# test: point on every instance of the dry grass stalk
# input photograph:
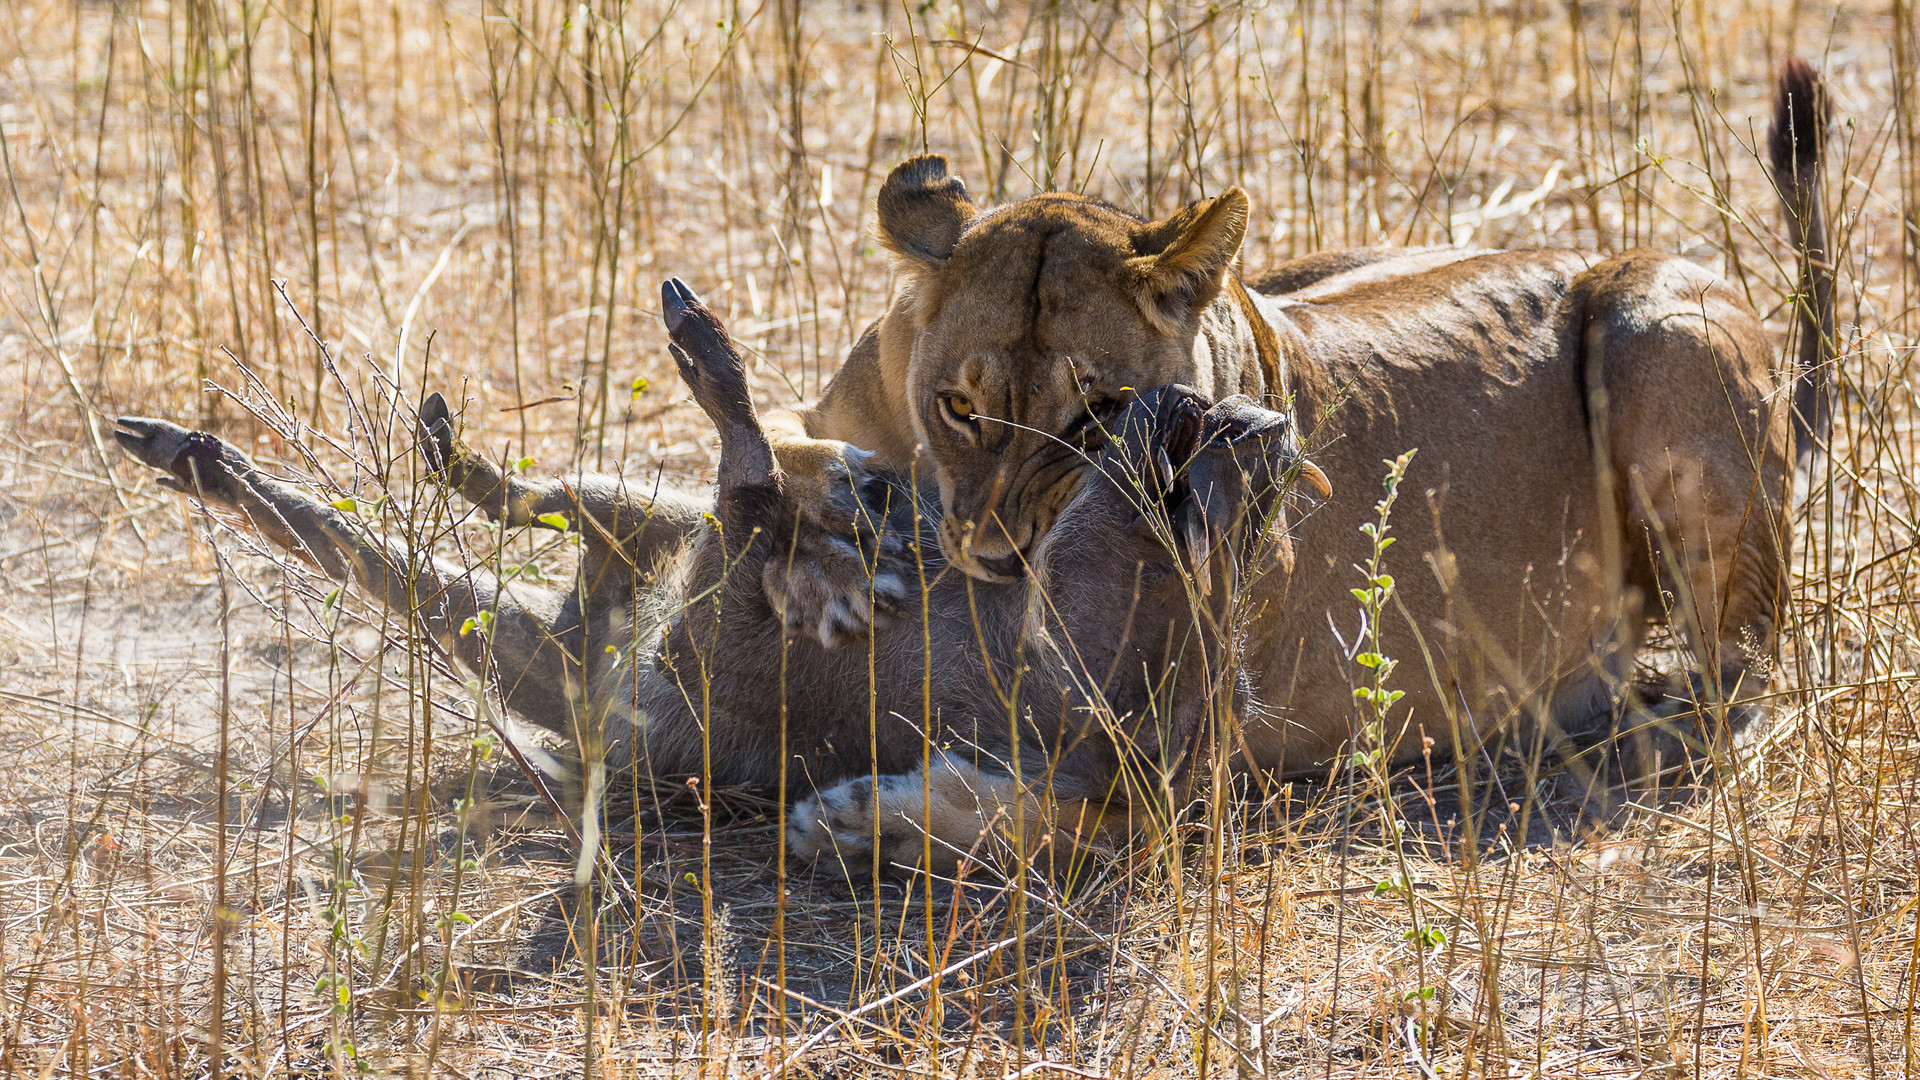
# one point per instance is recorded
(481, 198)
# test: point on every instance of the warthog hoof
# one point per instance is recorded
(190, 461)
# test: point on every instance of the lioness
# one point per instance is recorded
(1602, 444)
(665, 654)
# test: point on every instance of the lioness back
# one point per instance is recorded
(1600, 445)
(1483, 366)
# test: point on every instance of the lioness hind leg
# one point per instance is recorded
(1699, 455)
(528, 638)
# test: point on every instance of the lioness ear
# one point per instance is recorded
(1187, 258)
(923, 209)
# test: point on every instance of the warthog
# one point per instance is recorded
(1095, 675)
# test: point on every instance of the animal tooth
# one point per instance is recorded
(1196, 530)
(1311, 474)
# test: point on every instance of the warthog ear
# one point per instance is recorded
(923, 209)
(1185, 258)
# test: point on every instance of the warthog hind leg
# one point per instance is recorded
(527, 638)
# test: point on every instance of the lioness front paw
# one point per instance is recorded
(841, 568)
(830, 589)
(849, 823)
(837, 823)
(941, 818)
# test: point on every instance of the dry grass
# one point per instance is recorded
(487, 194)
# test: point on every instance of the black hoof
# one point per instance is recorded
(709, 362)
(436, 432)
(192, 458)
(151, 442)
(677, 301)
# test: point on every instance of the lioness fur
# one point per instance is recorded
(1602, 441)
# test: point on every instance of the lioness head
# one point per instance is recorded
(1033, 323)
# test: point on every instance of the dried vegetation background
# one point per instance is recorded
(231, 796)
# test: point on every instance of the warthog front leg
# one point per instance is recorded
(527, 638)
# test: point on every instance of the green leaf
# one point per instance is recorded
(331, 599)
(1385, 581)
(347, 504)
(1365, 596)
(554, 521)
(523, 464)
(1368, 659)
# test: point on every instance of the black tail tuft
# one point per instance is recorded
(1796, 145)
(1799, 118)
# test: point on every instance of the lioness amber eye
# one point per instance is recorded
(960, 406)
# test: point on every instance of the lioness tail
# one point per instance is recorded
(1795, 146)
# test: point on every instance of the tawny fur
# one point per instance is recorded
(1603, 445)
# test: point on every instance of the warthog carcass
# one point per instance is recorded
(668, 656)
